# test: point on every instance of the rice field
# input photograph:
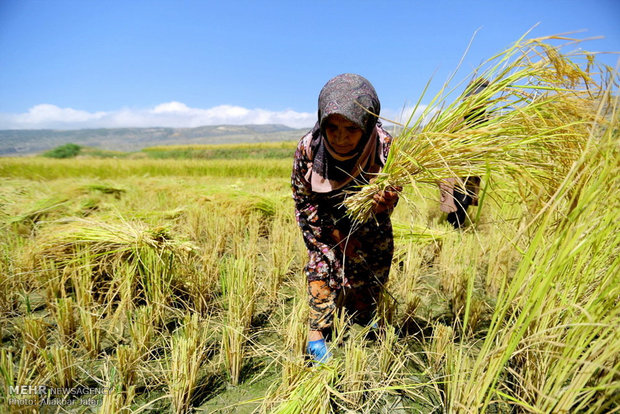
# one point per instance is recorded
(176, 285)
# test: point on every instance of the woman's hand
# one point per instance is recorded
(385, 200)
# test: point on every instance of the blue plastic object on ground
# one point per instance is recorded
(318, 350)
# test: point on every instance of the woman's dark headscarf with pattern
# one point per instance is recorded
(353, 97)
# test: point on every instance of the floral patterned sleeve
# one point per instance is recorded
(316, 228)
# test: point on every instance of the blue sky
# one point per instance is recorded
(108, 63)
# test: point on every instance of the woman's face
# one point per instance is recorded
(342, 134)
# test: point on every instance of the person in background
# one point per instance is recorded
(348, 263)
(457, 194)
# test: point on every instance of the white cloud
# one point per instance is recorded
(172, 114)
(45, 113)
(168, 114)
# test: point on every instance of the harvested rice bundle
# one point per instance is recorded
(110, 244)
(39, 210)
(527, 117)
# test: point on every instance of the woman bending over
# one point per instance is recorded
(347, 264)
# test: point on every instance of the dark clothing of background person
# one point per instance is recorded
(454, 199)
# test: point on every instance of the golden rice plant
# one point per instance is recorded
(116, 399)
(90, 330)
(34, 334)
(311, 394)
(39, 210)
(294, 331)
(31, 368)
(554, 326)
(528, 125)
(355, 375)
(126, 366)
(7, 371)
(281, 250)
(458, 262)
(120, 261)
(142, 328)
(207, 227)
(82, 280)
(110, 242)
(503, 258)
(120, 297)
(443, 336)
(187, 353)
(60, 366)
(9, 281)
(238, 286)
(64, 311)
(388, 353)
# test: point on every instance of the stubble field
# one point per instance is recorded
(177, 285)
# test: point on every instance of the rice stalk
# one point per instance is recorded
(312, 393)
(559, 311)
(117, 399)
(7, 371)
(9, 281)
(82, 280)
(64, 315)
(388, 353)
(109, 243)
(209, 231)
(437, 350)
(39, 210)
(90, 327)
(528, 125)
(503, 258)
(281, 251)
(105, 189)
(354, 378)
(458, 262)
(126, 364)
(238, 286)
(142, 327)
(405, 281)
(187, 353)
(34, 335)
(126, 261)
(31, 370)
(60, 366)
(120, 295)
(294, 331)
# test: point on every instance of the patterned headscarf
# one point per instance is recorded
(353, 97)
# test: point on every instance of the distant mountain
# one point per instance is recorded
(23, 142)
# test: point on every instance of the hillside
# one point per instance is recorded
(23, 142)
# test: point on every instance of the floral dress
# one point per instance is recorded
(357, 278)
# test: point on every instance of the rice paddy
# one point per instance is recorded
(176, 285)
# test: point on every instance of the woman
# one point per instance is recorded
(347, 264)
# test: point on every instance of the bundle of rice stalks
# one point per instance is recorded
(149, 254)
(312, 393)
(525, 117)
(187, 353)
(105, 189)
(39, 210)
(553, 344)
(238, 286)
(106, 241)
